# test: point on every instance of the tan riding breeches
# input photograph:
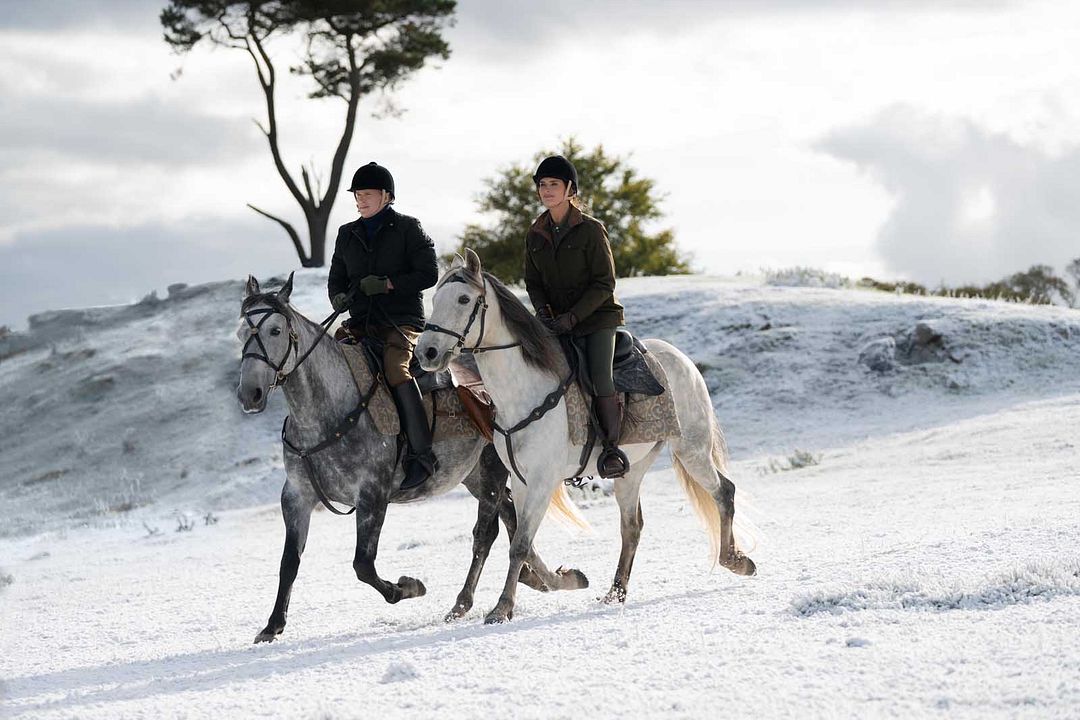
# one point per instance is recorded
(397, 352)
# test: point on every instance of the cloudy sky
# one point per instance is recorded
(934, 141)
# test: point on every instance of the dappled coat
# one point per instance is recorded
(401, 251)
(574, 273)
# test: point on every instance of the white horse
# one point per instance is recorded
(523, 368)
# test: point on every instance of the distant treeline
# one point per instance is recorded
(1038, 285)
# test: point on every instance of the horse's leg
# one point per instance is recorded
(700, 465)
(296, 512)
(628, 494)
(534, 573)
(731, 556)
(487, 483)
(370, 513)
(530, 513)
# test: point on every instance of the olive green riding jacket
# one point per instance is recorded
(573, 272)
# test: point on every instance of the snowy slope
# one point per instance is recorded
(113, 410)
(927, 566)
(924, 574)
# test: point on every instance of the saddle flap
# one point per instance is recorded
(630, 371)
(478, 406)
(624, 344)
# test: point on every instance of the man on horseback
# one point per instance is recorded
(382, 263)
(570, 278)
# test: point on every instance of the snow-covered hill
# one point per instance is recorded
(111, 411)
(920, 559)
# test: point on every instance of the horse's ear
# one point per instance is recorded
(286, 290)
(472, 261)
(252, 287)
(457, 262)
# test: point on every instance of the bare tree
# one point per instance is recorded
(352, 48)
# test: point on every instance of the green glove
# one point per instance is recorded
(374, 285)
(340, 302)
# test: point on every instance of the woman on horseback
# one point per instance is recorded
(570, 278)
(382, 263)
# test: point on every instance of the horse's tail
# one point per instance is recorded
(564, 509)
(701, 500)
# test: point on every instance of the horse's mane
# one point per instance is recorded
(538, 345)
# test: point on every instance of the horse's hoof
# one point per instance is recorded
(410, 587)
(456, 614)
(267, 635)
(572, 579)
(740, 564)
(496, 617)
(615, 596)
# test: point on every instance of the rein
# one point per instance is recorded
(342, 428)
(348, 423)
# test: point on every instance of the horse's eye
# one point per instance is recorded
(463, 300)
(275, 331)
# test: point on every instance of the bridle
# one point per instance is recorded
(281, 376)
(480, 308)
(294, 343)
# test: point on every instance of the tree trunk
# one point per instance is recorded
(317, 222)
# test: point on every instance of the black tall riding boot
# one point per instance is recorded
(420, 462)
(612, 462)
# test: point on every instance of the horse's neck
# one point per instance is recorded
(515, 386)
(322, 390)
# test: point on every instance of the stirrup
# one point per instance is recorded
(609, 454)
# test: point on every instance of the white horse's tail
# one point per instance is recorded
(564, 509)
(701, 500)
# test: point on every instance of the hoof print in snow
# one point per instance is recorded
(857, 642)
(399, 672)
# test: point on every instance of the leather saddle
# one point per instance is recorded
(629, 369)
(461, 377)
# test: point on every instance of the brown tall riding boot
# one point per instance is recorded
(612, 462)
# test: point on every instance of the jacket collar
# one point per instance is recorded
(542, 224)
(389, 221)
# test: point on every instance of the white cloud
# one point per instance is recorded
(720, 102)
(971, 205)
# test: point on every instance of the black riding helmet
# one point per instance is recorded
(558, 167)
(373, 177)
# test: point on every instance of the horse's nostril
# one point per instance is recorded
(430, 353)
(258, 395)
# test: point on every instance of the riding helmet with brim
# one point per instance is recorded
(372, 176)
(558, 167)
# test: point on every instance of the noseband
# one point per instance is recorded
(480, 308)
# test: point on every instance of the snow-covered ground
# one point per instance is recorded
(927, 565)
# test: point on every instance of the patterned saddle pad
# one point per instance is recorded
(646, 418)
(444, 409)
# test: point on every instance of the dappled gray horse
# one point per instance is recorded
(357, 466)
(526, 375)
